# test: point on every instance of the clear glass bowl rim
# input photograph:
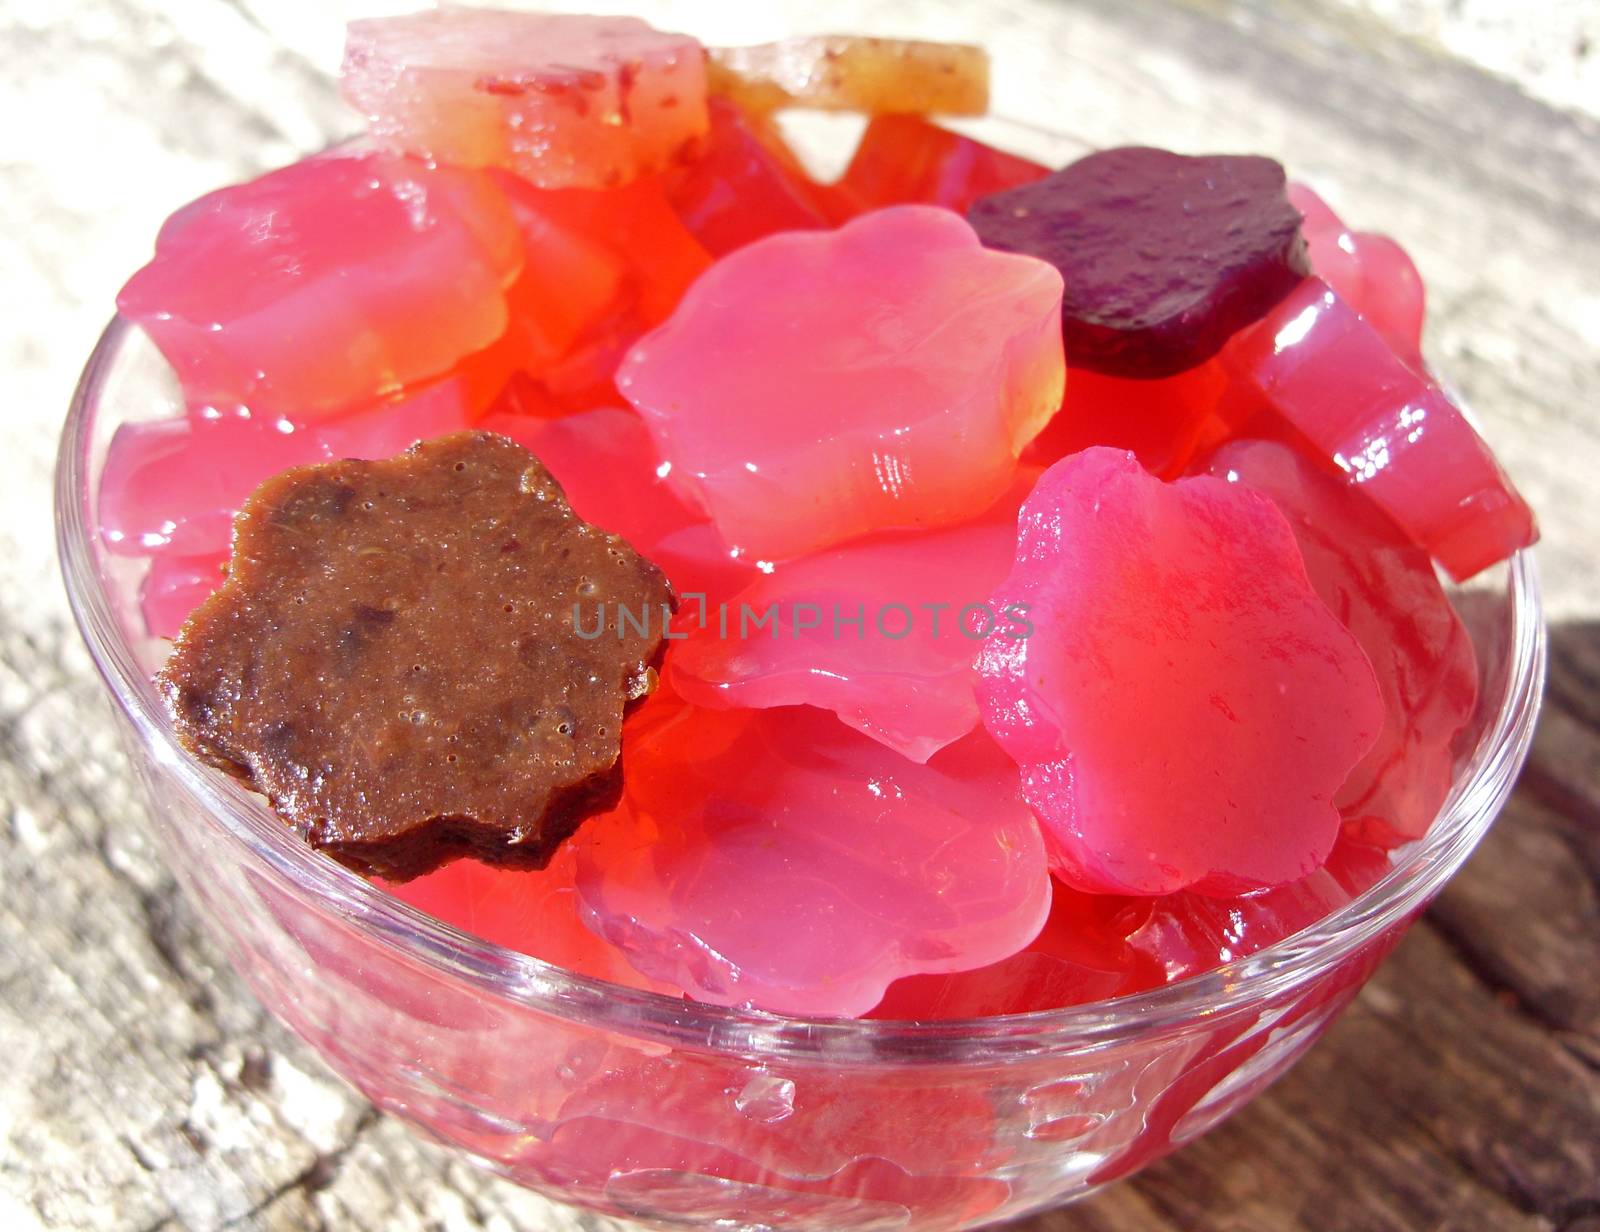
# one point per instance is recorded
(1479, 792)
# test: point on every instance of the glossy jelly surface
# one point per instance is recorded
(816, 386)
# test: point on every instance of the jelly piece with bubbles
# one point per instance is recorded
(173, 485)
(564, 101)
(1186, 706)
(1393, 432)
(1370, 272)
(606, 462)
(744, 184)
(329, 284)
(882, 631)
(779, 860)
(845, 72)
(1164, 255)
(815, 386)
(1384, 590)
(535, 912)
(1161, 422)
(904, 160)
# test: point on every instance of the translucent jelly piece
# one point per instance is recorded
(882, 631)
(564, 101)
(173, 485)
(1165, 256)
(741, 186)
(174, 587)
(1079, 956)
(1161, 422)
(570, 280)
(904, 160)
(778, 859)
(329, 284)
(1384, 590)
(1186, 934)
(534, 912)
(815, 386)
(1392, 431)
(608, 466)
(1370, 272)
(1186, 706)
(845, 72)
(636, 223)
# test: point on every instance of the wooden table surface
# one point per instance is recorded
(143, 1088)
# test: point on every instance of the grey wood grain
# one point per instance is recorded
(143, 1088)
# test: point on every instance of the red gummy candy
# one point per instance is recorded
(780, 860)
(882, 631)
(1185, 707)
(1188, 934)
(1161, 422)
(637, 224)
(534, 912)
(328, 285)
(1384, 590)
(742, 186)
(1370, 272)
(608, 466)
(1392, 431)
(904, 160)
(1078, 956)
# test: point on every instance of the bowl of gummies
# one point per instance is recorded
(738, 697)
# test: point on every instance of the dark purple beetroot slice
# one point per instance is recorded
(1164, 255)
(395, 658)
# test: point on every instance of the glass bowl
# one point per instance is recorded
(654, 1108)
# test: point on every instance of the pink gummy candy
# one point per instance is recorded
(327, 285)
(534, 912)
(1186, 706)
(1370, 272)
(174, 587)
(882, 631)
(1391, 430)
(1385, 592)
(815, 386)
(564, 101)
(779, 860)
(173, 485)
(607, 464)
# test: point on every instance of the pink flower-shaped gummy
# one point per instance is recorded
(565, 101)
(882, 631)
(1384, 590)
(329, 284)
(778, 859)
(816, 386)
(1186, 706)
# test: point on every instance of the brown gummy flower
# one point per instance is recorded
(422, 658)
